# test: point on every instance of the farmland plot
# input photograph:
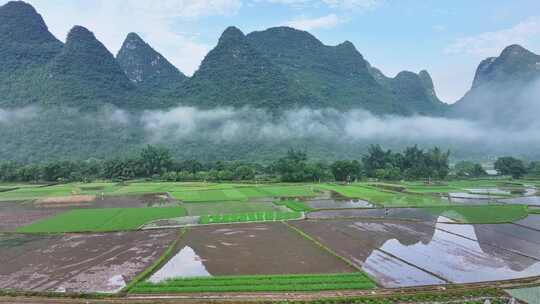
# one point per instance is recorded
(408, 254)
(78, 262)
(250, 249)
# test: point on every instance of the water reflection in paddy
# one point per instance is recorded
(463, 259)
(403, 253)
(417, 214)
(338, 204)
(526, 200)
(186, 263)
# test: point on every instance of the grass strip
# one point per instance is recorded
(477, 296)
(157, 264)
(294, 205)
(482, 214)
(303, 282)
(249, 217)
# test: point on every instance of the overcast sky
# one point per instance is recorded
(448, 38)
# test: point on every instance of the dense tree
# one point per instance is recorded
(292, 167)
(534, 168)
(346, 170)
(414, 163)
(510, 166)
(155, 160)
(469, 169)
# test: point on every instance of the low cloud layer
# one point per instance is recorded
(16, 115)
(226, 124)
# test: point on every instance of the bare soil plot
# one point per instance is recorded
(15, 214)
(65, 201)
(78, 262)
(444, 255)
(250, 249)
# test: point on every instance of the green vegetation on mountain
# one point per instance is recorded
(153, 75)
(26, 46)
(504, 88)
(235, 74)
(86, 73)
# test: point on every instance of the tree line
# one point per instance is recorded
(154, 162)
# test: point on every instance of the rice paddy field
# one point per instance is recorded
(267, 238)
(101, 220)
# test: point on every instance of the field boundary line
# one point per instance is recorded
(330, 251)
(167, 254)
(490, 244)
(415, 266)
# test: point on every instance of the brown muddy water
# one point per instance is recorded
(399, 254)
(248, 249)
(78, 262)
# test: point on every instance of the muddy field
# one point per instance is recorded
(78, 262)
(17, 214)
(407, 254)
(338, 204)
(413, 214)
(248, 249)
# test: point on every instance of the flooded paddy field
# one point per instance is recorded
(338, 203)
(78, 262)
(401, 254)
(515, 238)
(525, 200)
(532, 222)
(248, 249)
(413, 214)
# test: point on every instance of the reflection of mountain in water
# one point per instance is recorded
(457, 256)
(513, 238)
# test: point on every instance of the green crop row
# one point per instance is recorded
(259, 283)
(101, 220)
(249, 217)
(297, 206)
(482, 214)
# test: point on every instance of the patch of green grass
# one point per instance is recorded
(297, 206)
(259, 283)
(534, 210)
(213, 208)
(27, 193)
(242, 193)
(384, 198)
(101, 220)
(482, 214)
(249, 217)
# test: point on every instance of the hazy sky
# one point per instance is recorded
(448, 38)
